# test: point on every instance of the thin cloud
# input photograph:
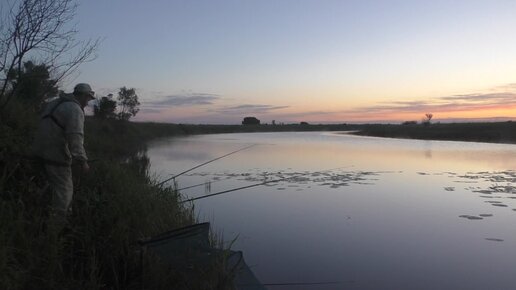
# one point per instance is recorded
(443, 104)
(150, 110)
(157, 93)
(408, 103)
(248, 109)
(492, 97)
(305, 114)
(198, 99)
(505, 88)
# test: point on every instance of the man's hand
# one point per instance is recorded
(85, 167)
(80, 167)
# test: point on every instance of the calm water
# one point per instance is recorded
(372, 213)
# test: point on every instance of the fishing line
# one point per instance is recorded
(202, 164)
(300, 283)
(296, 283)
(200, 184)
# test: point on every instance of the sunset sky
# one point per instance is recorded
(319, 61)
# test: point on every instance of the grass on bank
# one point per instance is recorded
(115, 204)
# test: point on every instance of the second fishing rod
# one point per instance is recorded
(255, 185)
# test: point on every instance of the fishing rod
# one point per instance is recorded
(238, 188)
(297, 283)
(200, 184)
(202, 164)
(213, 181)
(253, 185)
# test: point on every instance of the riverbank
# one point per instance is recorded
(496, 132)
(115, 205)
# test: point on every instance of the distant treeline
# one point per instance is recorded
(496, 132)
(166, 129)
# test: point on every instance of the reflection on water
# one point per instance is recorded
(377, 213)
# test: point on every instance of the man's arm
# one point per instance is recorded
(74, 133)
(76, 146)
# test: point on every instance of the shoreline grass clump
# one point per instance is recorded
(116, 204)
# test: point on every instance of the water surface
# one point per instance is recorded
(372, 213)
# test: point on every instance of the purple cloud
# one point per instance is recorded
(248, 109)
(443, 104)
(197, 99)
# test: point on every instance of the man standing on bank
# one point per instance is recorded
(59, 143)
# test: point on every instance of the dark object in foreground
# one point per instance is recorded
(188, 249)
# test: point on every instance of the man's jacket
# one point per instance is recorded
(60, 135)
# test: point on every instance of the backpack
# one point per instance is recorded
(51, 113)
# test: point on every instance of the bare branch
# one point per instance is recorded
(40, 30)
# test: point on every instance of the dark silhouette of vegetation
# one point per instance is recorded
(39, 30)
(32, 84)
(409, 123)
(128, 103)
(303, 123)
(114, 206)
(426, 120)
(147, 130)
(250, 121)
(496, 132)
(105, 107)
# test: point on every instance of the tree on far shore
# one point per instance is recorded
(105, 108)
(128, 103)
(250, 121)
(426, 120)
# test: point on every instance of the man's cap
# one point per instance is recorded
(84, 88)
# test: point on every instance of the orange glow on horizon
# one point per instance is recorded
(317, 110)
(488, 112)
